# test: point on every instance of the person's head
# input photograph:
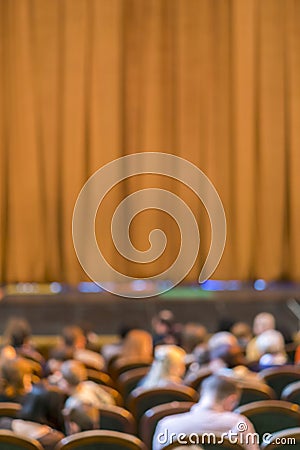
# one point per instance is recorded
(168, 366)
(193, 334)
(43, 406)
(7, 352)
(163, 323)
(58, 357)
(221, 338)
(242, 331)
(15, 377)
(74, 373)
(137, 344)
(270, 341)
(80, 416)
(219, 391)
(263, 322)
(231, 355)
(74, 337)
(17, 332)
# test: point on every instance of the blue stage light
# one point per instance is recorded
(55, 287)
(260, 285)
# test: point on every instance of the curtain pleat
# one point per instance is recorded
(83, 82)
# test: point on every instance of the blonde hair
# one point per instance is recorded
(137, 344)
(168, 366)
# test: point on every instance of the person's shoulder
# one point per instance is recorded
(174, 419)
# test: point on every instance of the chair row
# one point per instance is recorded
(109, 440)
(267, 417)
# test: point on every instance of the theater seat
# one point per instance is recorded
(12, 441)
(8, 409)
(119, 419)
(152, 416)
(100, 440)
(120, 366)
(141, 399)
(98, 377)
(256, 393)
(271, 416)
(291, 393)
(129, 380)
(196, 381)
(279, 377)
(115, 394)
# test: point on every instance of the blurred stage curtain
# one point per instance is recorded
(214, 81)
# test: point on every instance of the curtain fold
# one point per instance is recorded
(84, 82)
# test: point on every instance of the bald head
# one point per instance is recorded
(263, 322)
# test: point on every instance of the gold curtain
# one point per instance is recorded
(84, 82)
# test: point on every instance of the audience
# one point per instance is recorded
(212, 414)
(58, 399)
(167, 368)
(74, 342)
(40, 417)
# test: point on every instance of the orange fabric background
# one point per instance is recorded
(86, 81)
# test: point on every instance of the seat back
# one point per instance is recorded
(151, 418)
(206, 442)
(119, 419)
(122, 365)
(100, 440)
(98, 377)
(291, 393)
(115, 395)
(271, 415)
(256, 393)
(129, 380)
(283, 440)
(12, 441)
(141, 399)
(197, 380)
(279, 377)
(8, 409)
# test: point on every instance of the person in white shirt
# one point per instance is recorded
(212, 414)
(262, 322)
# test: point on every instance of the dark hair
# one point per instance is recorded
(17, 331)
(70, 334)
(232, 355)
(44, 405)
(61, 354)
(85, 416)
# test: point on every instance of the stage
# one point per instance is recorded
(107, 313)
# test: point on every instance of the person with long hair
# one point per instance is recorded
(167, 368)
